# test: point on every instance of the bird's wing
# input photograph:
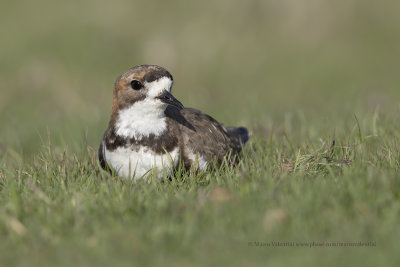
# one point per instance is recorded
(202, 135)
(102, 160)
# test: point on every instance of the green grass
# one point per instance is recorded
(315, 81)
(62, 209)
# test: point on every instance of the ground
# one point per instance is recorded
(316, 82)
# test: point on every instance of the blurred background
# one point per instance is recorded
(261, 64)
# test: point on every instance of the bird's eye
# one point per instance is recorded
(136, 85)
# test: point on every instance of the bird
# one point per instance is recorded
(151, 132)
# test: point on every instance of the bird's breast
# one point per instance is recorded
(139, 162)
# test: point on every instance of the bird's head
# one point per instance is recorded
(149, 85)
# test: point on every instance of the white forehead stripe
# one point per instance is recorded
(157, 86)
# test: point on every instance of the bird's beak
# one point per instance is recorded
(169, 99)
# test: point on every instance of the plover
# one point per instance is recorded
(150, 131)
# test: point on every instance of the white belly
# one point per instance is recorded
(135, 165)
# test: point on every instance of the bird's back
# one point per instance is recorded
(202, 137)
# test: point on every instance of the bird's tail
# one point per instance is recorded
(240, 133)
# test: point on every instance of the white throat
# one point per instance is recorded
(142, 119)
(147, 116)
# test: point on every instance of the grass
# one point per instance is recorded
(315, 81)
(62, 209)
